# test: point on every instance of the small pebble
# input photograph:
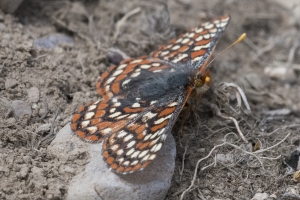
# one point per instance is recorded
(10, 83)
(260, 196)
(21, 108)
(24, 171)
(33, 94)
(51, 41)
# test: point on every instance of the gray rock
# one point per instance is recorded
(10, 83)
(43, 128)
(33, 94)
(51, 41)
(260, 196)
(24, 171)
(96, 181)
(20, 108)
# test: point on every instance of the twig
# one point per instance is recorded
(225, 85)
(263, 150)
(182, 166)
(218, 113)
(292, 53)
(122, 21)
(284, 127)
(45, 140)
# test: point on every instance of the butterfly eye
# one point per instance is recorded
(198, 82)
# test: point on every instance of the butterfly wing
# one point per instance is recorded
(196, 45)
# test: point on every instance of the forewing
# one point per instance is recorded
(130, 71)
(196, 45)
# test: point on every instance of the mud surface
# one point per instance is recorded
(64, 77)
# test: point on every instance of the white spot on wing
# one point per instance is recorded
(152, 102)
(126, 82)
(115, 147)
(135, 74)
(117, 104)
(110, 80)
(135, 154)
(206, 36)
(199, 38)
(179, 58)
(107, 130)
(148, 115)
(156, 147)
(122, 116)
(112, 110)
(130, 144)
(179, 40)
(145, 158)
(136, 105)
(92, 107)
(152, 157)
(145, 66)
(92, 129)
(197, 48)
(120, 152)
(172, 104)
(85, 124)
(209, 26)
(191, 35)
(164, 53)
(162, 119)
(199, 30)
(134, 163)
(122, 66)
(122, 133)
(115, 114)
(185, 40)
(176, 47)
(132, 116)
(143, 153)
(130, 152)
(136, 61)
(128, 137)
(117, 72)
(126, 163)
(89, 115)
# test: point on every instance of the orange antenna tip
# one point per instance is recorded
(242, 37)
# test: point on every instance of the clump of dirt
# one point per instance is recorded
(65, 77)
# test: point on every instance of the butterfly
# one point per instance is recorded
(142, 97)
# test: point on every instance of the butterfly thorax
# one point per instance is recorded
(155, 87)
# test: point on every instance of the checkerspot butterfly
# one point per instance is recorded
(142, 98)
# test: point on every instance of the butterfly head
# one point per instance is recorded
(202, 80)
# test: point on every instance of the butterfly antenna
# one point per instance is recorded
(241, 38)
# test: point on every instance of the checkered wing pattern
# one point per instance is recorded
(196, 45)
(142, 97)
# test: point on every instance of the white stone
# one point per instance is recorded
(96, 181)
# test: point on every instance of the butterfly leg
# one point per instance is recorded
(185, 115)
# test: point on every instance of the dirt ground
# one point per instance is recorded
(65, 77)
